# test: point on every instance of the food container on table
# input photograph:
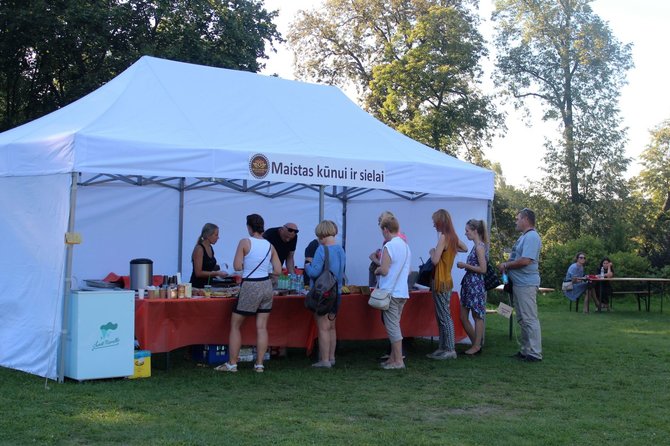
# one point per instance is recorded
(141, 273)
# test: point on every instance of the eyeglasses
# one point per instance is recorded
(292, 230)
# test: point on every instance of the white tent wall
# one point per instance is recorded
(228, 210)
(415, 217)
(32, 228)
(120, 222)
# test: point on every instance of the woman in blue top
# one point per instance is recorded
(473, 291)
(575, 275)
(326, 232)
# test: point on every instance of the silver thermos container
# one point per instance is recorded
(141, 273)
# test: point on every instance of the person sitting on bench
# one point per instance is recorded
(575, 275)
(603, 291)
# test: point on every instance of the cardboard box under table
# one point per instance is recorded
(142, 365)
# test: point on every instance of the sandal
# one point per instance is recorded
(225, 367)
(259, 368)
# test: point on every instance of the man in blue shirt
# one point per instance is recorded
(522, 269)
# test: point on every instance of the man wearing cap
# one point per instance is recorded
(284, 239)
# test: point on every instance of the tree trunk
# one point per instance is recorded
(666, 205)
(569, 139)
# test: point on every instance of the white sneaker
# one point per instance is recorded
(389, 366)
(435, 353)
(322, 365)
(225, 367)
(443, 354)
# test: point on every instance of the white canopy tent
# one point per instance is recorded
(144, 161)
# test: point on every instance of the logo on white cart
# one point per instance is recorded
(108, 337)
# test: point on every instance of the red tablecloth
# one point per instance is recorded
(162, 325)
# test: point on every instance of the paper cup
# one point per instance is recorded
(140, 293)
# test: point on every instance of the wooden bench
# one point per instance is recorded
(639, 295)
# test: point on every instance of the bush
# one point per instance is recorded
(556, 258)
(628, 264)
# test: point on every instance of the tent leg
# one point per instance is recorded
(67, 288)
(322, 189)
(344, 224)
(180, 238)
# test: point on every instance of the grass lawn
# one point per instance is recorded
(605, 379)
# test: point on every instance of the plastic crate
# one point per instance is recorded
(210, 353)
(248, 354)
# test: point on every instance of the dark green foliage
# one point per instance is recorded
(53, 52)
(655, 176)
(557, 258)
(657, 241)
(415, 63)
(630, 264)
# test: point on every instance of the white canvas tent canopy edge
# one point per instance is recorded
(194, 129)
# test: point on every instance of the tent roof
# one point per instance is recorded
(165, 118)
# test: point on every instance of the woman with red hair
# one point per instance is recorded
(442, 256)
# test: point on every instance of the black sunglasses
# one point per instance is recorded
(581, 257)
(292, 230)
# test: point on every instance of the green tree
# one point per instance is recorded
(415, 64)
(507, 203)
(655, 183)
(655, 175)
(53, 52)
(565, 56)
(229, 34)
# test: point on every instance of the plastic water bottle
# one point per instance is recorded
(602, 271)
(294, 280)
(505, 279)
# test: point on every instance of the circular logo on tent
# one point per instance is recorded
(259, 166)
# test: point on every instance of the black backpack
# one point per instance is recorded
(425, 273)
(322, 296)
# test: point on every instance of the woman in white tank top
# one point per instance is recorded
(257, 259)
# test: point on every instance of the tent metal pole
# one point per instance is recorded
(489, 216)
(322, 189)
(344, 224)
(67, 288)
(180, 241)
